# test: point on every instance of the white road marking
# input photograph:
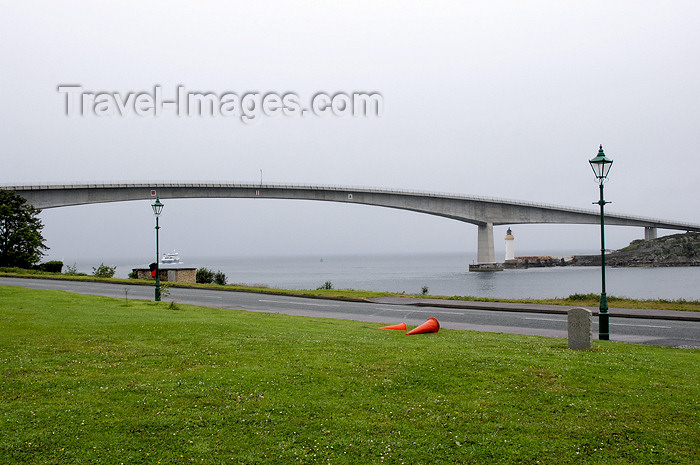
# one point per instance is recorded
(298, 303)
(611, 324)
(391, 308)
(640, 326)
(418, 310)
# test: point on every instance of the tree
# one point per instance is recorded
(21, 242)
(220, 278)
(204, 276)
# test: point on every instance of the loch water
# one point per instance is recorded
(445, 274)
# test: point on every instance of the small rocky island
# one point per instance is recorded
(673, 250)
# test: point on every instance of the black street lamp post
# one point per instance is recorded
(157, 209)
(601, 167)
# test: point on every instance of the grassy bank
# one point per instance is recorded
(586, 300)
(87, 379)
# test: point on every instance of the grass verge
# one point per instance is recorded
(87, 379)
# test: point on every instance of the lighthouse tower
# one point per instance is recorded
(510, 248)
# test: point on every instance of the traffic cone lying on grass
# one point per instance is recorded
(430, 326)
(400, 327)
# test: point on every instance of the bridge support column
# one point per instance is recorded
(485, 252)
(485, 256)
(650, 233)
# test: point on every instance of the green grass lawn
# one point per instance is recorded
(93, 380)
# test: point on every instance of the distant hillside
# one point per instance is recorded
(674, 250)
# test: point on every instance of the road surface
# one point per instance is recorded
(681, 331)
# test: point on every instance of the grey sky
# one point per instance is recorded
(500, 99)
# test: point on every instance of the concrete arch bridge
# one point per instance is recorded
(480, 211)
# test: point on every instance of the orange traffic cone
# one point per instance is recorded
(401, 327)
(430, 326)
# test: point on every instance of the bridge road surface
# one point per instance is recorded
(683, 333)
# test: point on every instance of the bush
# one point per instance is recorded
(12, 269)
(133, 274)
(205, 276)
(220, 278)
(53, 266)
(165, 291)
(424, 290)
(580, 297)
(72, 269)
(103, 271)
(327, 286)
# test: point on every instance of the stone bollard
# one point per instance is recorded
(580, 326)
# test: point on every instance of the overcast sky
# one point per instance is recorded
(501, 99)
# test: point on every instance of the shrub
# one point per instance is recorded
(326, 286)
(103, 271)
(133, 274)
(580, 297)
(72, 269)
(12, 269)
(220, 278)
(424, 290)
(53, 266)
(164, 290)
(204, 276)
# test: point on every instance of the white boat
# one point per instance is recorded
(173, 257)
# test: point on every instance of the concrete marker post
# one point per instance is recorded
(580, 328)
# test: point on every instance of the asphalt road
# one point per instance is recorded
(657, 331)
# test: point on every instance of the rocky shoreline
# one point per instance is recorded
(667, 251)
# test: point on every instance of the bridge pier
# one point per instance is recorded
(485, 251)
(650, 233)
(485, 255)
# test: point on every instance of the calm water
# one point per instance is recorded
(445, 274)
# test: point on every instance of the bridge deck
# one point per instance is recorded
(484, 212)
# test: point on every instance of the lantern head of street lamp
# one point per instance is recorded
(601, 165)
(157, 207)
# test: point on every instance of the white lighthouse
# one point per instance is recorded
(510, 247)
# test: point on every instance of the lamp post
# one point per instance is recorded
(157, 209)
(601, 167)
